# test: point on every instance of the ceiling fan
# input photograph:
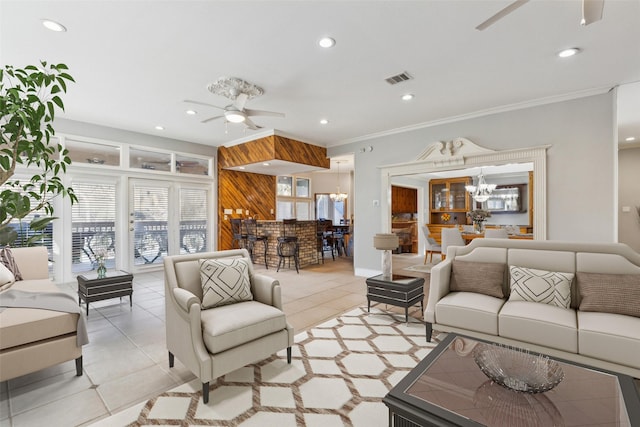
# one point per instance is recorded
(591, 12)
(239, 91)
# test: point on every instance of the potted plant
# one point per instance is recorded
(478, 216)
(29, 98)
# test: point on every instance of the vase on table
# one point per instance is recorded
(478, 227)
(102, 269)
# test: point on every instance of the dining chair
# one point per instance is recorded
(450, 237)
(496, 233)
(431, 246)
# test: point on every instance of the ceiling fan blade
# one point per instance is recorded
(203, 103)
(501, 14)
(251, 125)
(250, 112)
(591, 11)
(211, 119)
(241, 99)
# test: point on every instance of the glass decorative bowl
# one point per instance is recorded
(518, 369)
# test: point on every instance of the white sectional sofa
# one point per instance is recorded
(32, 338)
(600, 327)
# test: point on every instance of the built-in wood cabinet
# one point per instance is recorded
(404, 200)
(449, 196)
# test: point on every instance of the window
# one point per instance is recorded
(92, 153)
(21, 226)
(284, 186)
(290, 204)
(93, 225)
(327, 208)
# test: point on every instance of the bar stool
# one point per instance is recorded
(324, 238)
(288, 246)
(237, 235)
(251, 226)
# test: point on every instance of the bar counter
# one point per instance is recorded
(306, 233)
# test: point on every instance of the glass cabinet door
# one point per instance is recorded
(458, 195)
(439, 199)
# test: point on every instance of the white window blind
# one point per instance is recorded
(93, 225)
(193, 220)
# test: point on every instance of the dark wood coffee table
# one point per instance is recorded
(400, 291)
(448, 389)
(116, 284)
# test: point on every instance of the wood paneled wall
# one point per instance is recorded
(247, 191)
(255, 192)
(272, 147)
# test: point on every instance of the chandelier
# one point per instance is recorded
(338, 196)
(482, 191)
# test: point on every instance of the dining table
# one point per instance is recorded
(468, 237)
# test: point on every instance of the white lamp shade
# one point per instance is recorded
(383, 241)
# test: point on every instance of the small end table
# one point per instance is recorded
(116, 284)
(400, 291)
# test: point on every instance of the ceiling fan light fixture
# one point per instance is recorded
(566, 53)
(191, 112)
(235, 116)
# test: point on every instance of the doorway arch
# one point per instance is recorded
(462, 153)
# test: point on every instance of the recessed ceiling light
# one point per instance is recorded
(266, 164)
(407, 97)
(159, 128)
(53, 26)
(191, 112)
(631, 138)
(324, 121)
(568, 52)
(327, 42)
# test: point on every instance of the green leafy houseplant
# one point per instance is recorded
(29, 98)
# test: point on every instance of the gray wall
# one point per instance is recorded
(581, 133)
(629, 195)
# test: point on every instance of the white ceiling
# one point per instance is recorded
(136, 61)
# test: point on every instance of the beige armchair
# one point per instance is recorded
(215, 341)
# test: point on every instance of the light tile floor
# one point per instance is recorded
(126, 361)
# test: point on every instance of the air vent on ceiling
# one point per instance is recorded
(399, 78)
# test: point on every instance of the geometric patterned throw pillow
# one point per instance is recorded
(547, 287)
(224, 281)
(6, 257)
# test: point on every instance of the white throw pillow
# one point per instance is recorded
(6, 277)
(547, 287)
(224, 281)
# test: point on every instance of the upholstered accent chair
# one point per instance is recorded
(212, 342)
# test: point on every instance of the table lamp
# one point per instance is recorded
(386, 243)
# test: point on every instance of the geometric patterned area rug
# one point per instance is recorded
(339, 373)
